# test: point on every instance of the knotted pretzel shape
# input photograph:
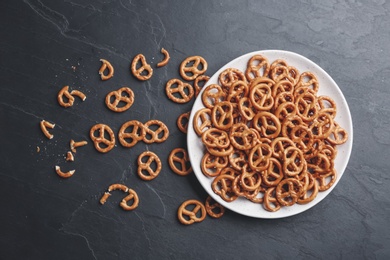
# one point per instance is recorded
(178, 91)
(213, 208)
(212, 95)
(222, 115)
(202, 120)
(214, 137)
(145, 71)
(259, 156)
(145, 167)
(158, 135)
(106, 65)
(192, 67)
(257, 66)
(274, 173)
(267, 124)
(188, 217)
(212, 165)
(229, 76)
(222, 185)
(131, 132)
(293, 161)
(179, 161)
(288, 191)
(261, 97)
(182, 122)
(242, 137)
(98, 135)
(270, 201)
(199, 83)
(116, 98)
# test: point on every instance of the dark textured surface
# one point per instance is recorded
(46, 217)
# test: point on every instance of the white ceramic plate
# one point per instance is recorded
(328, 87)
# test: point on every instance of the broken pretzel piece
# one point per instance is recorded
(166, 58)
(106, 66)
(132, 196)
(74, 145)
(142, 72)
(118, 187)
(69, 99)
(69, 156)
(44, 125)
(64, 174)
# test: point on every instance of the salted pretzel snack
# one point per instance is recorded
(268, 136)
(102, 137)
(199, 83)
(44, 126)
(166, 58)
(189, 216)
(73, 145)
(213, 208)
(178, 91)
(62, 174)
(182, 122)
(124, 203)
(146, 170)
(155, 132)
(69, 96)
(143, 72)
(106, 66)
(192, 67)
(120, 100)
(179, 161)
(131, 132)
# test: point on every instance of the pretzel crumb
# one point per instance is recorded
(69, 156)
(38, 149)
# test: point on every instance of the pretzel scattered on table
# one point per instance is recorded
(145, 71)
(62, 174)
(124, 203)
(73, 145)
(182, 122)
(188, 216)
(101, 143)
(44, 126)
(179, 161)
(178, 91)
(213, 208)
(166, 58)
(69, 99)
(146, 170)
(106, 65)
(120, 100)
(192, 67)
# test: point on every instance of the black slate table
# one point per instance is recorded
(45, 45)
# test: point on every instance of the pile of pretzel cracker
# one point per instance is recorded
(268, 136)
